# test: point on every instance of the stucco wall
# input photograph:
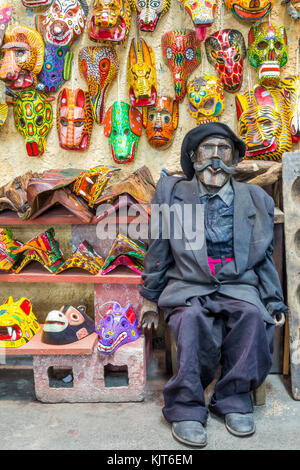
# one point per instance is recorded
(14, 159)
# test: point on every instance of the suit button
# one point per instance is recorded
(216, 285)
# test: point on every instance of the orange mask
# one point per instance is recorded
(161, 121)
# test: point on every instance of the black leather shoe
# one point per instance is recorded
(190, 433)
(240, 424)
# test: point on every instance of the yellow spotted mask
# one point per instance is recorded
(206, 99)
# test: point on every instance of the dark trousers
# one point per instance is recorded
(215, 330)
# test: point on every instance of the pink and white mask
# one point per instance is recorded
(63, 22)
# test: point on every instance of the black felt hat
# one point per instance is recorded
(194, 137)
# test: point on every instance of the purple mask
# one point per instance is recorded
(118, 326)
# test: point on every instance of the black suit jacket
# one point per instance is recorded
(176, 269)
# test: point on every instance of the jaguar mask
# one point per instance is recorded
(249, 10)
(181, 53)
(202, 13)
(74, 119)
(118, 327)
(267, 52)
(111, 21)
(150, 11)
(21, 57)
(67, 325)
(123, 127)
(290, 89)
(263, 123)
(18, 323)
(161, 122)
(99, 66)
(206, 99)
(63, 22)
(33, 116)
(90, 183)
(293, 8)
(141, 75)
(56, 69)
(226, 51)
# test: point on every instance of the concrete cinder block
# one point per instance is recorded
(89, 384)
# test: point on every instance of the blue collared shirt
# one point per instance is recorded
(218, 220)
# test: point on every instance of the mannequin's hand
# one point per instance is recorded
(279, 319)
(149, 315)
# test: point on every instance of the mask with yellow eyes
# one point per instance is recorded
(161, 121)
(206, 99)
(263, 123)
(226, 51)
(268, 52)
(18, 323)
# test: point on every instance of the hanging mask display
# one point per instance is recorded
(63, 22)
(125, 252)
(123, 127)
(293, 8)
(84, 257)
(99, 66)
(56, 69)
(6, 9)
(141, 74)
(67, 325)
(36, 3)
(249, 10)
(263, 123)
(181, 53)
(21, 57)
(18, 324)
(290, 89)
(90, 184)
(161, 122)
(206, 99)
(118, 327)
(7, 246)
(74, 119)
(226, 51)
(33, 116)
(202, 13)
(111, 21)
(150, 11)
(267, 52)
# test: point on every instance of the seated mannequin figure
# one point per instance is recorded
(216, 284)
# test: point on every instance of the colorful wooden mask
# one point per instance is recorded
(99, 66)
(21, 57)
(123, 127)
(249, 10)
(206, 99)
(74, 119)
(150, 11)
(67, 325)
(84, 257)
(118, 327)
(7, 246)
(6, 9)
(293, 8)
(226, 51)
(263, 123)
(90, 183)
(36, 3)
(267, 52)
(63, 22)
(56, 69)
(18, 324)
(141, 74)
(181, 53)
(125, 252)
(161, 121)
(33, 116)
(290, 89)
(202, 13)
(111, 21)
